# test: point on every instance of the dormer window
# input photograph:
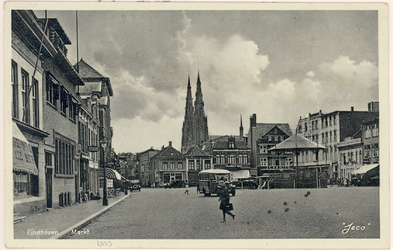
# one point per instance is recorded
(231, 142)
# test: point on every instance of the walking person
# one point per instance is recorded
(186, 192)
(224, 202)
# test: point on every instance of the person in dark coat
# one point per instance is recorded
(224, 201)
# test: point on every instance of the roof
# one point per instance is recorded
(262, 129)
(296, 141)
(221, 142)
(215, 171)
(169, 151)
(365, 168)
(87, 71)
(196, 152)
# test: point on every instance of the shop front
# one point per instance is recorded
(25, 171)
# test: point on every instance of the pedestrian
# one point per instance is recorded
(186, 192)
(198, 188)
(225, 205)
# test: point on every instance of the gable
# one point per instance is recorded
(275, 131)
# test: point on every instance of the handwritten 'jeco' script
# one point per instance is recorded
(352, 227)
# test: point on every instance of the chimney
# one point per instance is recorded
(320, 112)
(253, 120)
(352, 109)
(170, 143)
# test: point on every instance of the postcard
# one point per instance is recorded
(196, 125)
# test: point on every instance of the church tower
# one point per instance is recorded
(188, 123)
(200, 119)
(241, 127)
(195, 130)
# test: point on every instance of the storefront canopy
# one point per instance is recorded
(365, 168)
(23, 158)
(296, 142)
(240, 174)
(111, 174)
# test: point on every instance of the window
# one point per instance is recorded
(375, 131)
(207, 164)
(64, 156)
(198, 165)
(217, 159)
(222, 159)
(288, 162)
(334, 119)
(48, 159)
(231, 144)
(191, 164)
(25, 98)
(63, 100)
(263, 149)
(263, 161)
(323, 138)
(305, 127)
(245, 159)
(72, 109)
(52, 90)
(35, 103)
(164, 165)
(335, 135)
(179, 165)
(14, 82)
(331, 136)
(172, 165)
(232, 159)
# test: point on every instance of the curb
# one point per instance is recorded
(67, 232)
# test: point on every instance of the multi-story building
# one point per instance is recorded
(88, 132)
(328, 129)
(146, 174)
(98, 90)
(30, 176)
(229, 153)
(196, 161)
(170, 165)
(351, 155)
(61, 119)
(263, 136)
(370, 138)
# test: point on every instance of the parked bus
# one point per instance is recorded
(209, 181)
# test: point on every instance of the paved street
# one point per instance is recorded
(260, 214)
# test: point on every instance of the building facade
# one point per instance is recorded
(370, 138)
(27, 112)
(88, 133)
(196, 161)
(97, 92)
(170, 165)
(262, 137)
(329, 129)
(195, 129)
(351, 156)
(61, 120)
(147, 175)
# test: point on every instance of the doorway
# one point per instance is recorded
(48, 181)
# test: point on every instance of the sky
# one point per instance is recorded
(280, 65)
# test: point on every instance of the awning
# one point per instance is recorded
(365, 168)
(23, 159)
(111, 174)
(240, 174)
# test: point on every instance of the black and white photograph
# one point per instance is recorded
(196, 125)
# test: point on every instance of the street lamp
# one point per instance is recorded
(104, 197)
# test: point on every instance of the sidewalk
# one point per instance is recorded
(58, 223)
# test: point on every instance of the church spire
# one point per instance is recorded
(188, 130)
(201, 129)
(241, 126)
